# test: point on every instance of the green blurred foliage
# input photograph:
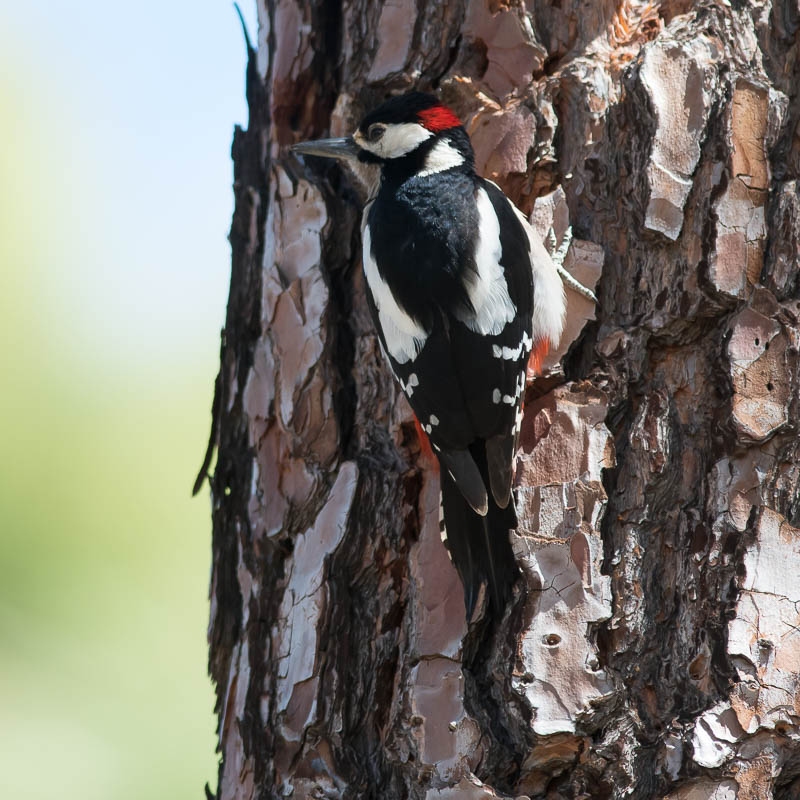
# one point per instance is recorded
(105, 556)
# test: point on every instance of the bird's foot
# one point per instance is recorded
(558, 252)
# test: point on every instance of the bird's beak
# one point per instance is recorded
(327, 148)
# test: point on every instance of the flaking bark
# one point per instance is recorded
(653, 650)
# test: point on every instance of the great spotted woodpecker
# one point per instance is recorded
(463, 294)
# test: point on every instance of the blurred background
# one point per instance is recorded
(116, 202)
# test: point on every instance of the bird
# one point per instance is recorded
(463, 294)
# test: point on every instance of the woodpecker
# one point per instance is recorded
(463, 294)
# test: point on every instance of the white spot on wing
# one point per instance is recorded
(496, 394)
(442, 528)
(404, 337)
(518, 420)
(513, 353)
(487, 288)
(434, 420)
(441, 157)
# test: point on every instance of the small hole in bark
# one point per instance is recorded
(551, 64)
(476, 60)
(552, 639)
(770, 387)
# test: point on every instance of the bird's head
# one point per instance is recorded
(408, 134)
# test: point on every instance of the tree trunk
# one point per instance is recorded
(653, 649)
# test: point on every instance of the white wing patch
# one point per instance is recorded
(487, 288)
(549, 300)
(404, 337)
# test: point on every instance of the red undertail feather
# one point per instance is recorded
(425, 446)
(540, 350)
(438, 118)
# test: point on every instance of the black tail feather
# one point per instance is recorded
(479, 546)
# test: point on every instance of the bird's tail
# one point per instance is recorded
(479, 546)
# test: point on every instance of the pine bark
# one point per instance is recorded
(654, 648)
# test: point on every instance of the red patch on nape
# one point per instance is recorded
(438, 118)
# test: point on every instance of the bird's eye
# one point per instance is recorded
(375, 132)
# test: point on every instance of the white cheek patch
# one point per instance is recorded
(397, 140)
(441, 157)
(487, 288)
(404, 337)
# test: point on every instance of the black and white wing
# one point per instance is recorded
(463, 369)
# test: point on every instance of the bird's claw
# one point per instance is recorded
(559, 253)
